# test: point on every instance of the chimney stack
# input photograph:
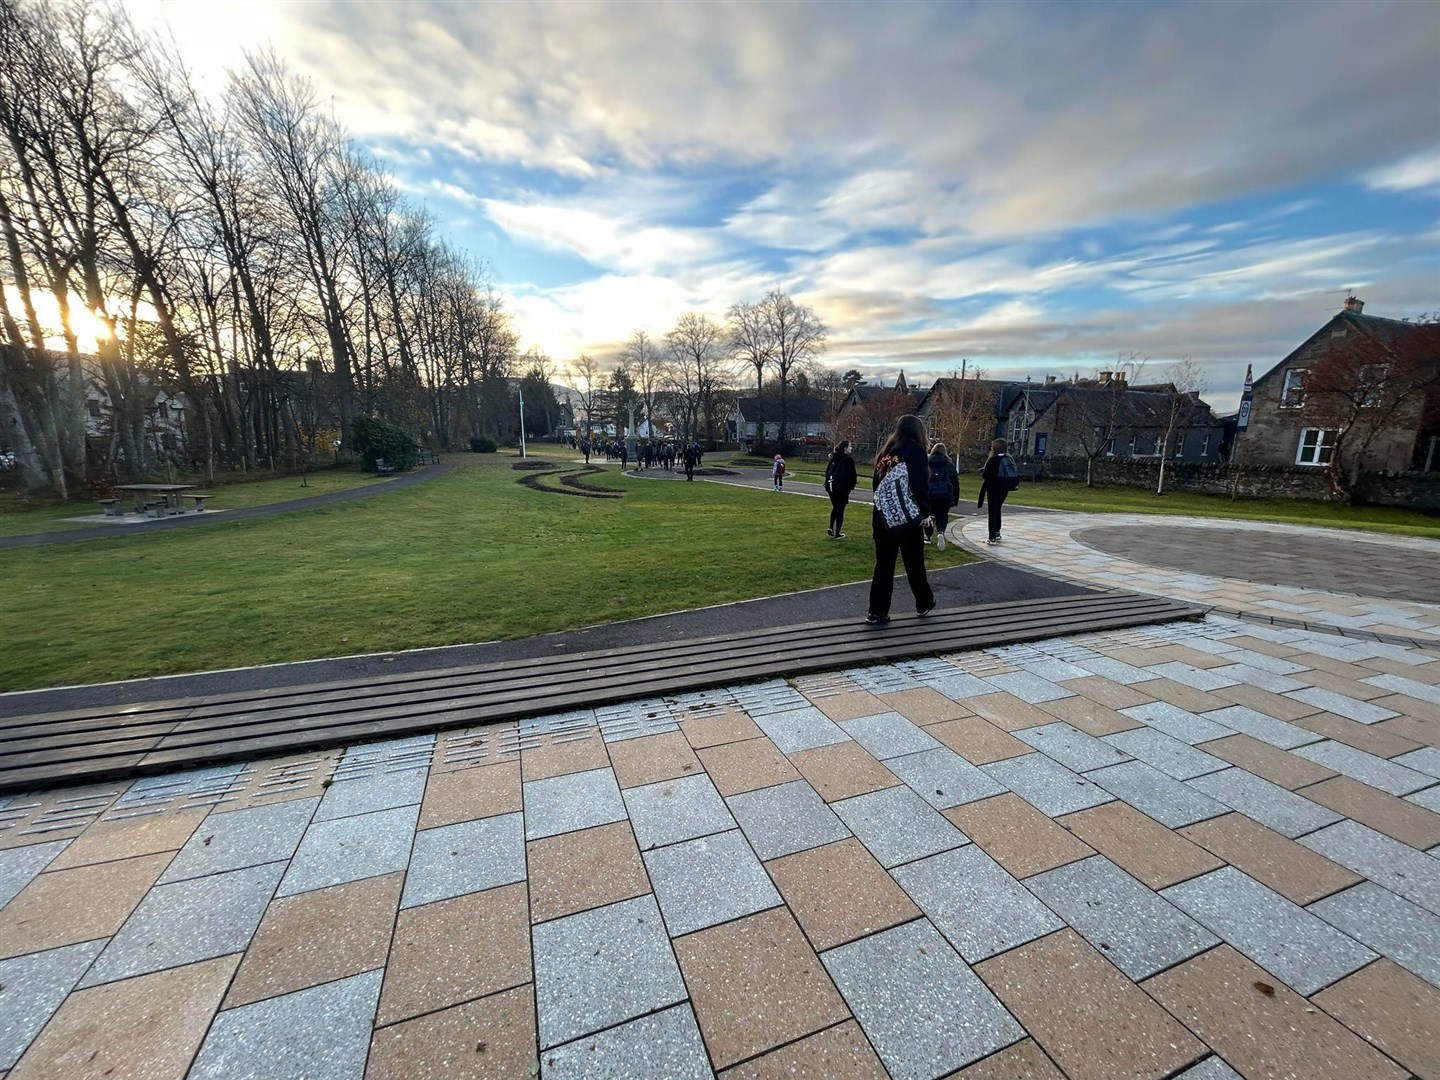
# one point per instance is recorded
(1120, 377)
(1049, 380)
(1105, 377)
(1355, 304)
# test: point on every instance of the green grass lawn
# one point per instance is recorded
(470, 556)
(20, 515)
(1111, 498)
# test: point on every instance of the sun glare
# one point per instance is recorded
(89, 328)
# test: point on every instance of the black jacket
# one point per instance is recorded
(944, 482)
(990, 480)
(913, 455)
(840, 476)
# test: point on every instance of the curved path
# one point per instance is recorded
(1343, 580)
(186, 521)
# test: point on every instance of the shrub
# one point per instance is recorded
(480, 444)
(376, 438)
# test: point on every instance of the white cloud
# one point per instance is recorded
(1417, 173)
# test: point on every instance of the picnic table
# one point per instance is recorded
(160, 500)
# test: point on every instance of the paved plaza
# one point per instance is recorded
(1200, 850)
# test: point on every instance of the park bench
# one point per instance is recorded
(154, 509)
(200, 500)
(432, 455)
(112, 507)
(383, 466)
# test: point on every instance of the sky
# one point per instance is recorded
(1036, 188)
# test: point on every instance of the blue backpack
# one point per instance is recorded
(1008, 473)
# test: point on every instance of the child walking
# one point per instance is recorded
(777, 473)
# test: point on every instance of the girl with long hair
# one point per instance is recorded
(904, 449)
(840, 480)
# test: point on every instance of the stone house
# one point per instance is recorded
(1290, 425)
(755, 419)
(1069, 420)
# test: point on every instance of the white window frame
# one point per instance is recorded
(1205, 446)
(1179, 446)
(1320, 452)
(1134, 445)
(1292, 390)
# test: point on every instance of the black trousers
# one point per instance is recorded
(941, 514)
(908, 544)
(689, 471)
(997, 500)
(837, 512)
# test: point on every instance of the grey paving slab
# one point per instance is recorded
(1189, 675)
(197, 787)
(943, 778)
(1212, 1068)
(800, 729)
(32, 988)
(979, 907)
(675, 810)
(1046, 785)
(1367, 768)
(665, 1044)
(348, 849)
(897, 826)
(1029, 687)
(602, 967)
(21, 865)
(1117, 671)
(888, 735)
(1429, 798)
(1171, 756)
(1362, 712)
(1270, 804)
(958, 685)
(1176, 722)
(1297, 947)
(1261, 661)
(1053, 669)
(323, 1031)
(241, 838)
(709, 880)
(1072, 748)
(1409, 687)
(1399, 867)
(1137, 930)
(563, 804)
(467, 857)
(925, 1012)
(1389, 924)
(1267, 729)
(1252, 675)
(785, 819)
(372, 790)
(188, 921)
(1426, 760)
(1150, 791)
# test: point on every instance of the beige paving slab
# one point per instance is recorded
(1291, 869)
(1367, 737)
(125, 837)
(145, 1028)
(1426, 673)
(1383, 812)
(1184, 697)
(1093, 1021)
(977, 740)
(1424, 732)
(1102, 691)
(1277, 705)
(1022, 1061)
(577, 871)
(454, 950)
(317, 937)
(1276, 765)
(1140, 845)
(745, 766)
(1261, 645)
(1016, 835)
(653, 758)
(756, 984)
(491, 1037)
(728, 727)
(1262, 1027)
(924, 706)
(1337, 675)
(1409, 706)
(467, 794)
(1393, 1010)
(1089, 716)
(1008, 712)
(560, 755)
(298, 776)
(1143, 655)
(476, 747)
(842, 770)
(63, 907)
(839, 893)
(838, 1053)
(849, 705)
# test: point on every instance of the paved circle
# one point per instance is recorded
(1331, 563)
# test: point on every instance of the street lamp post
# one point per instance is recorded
(521, 391)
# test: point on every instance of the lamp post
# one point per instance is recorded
(520, 390)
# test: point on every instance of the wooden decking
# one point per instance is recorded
(49, 749)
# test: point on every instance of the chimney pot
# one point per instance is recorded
(1049, 380)
(1355, 304)
(1105, 376)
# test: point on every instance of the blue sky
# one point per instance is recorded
(1036, 187)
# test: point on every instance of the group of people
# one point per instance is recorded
(649, 453)
(914, 492)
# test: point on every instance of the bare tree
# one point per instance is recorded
(751, 341)
(1186, 384)
(586, 378)
(646, 367)
(962, 412)
(1091, 412)
(796, 335)
(696, 351)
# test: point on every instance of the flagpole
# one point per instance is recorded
(520, 389)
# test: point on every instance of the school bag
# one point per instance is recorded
(1008, 473)
(895, 501)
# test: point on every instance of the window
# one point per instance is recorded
(1292, 395)
(1205, 446)
(94, 407)
(1110, 448)
(1159, 446)
(1134, 449)
(1316, 447)
(1179, 446)
(1017, 427)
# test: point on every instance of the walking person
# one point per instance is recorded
(691, 454)
(902, 507)
(840, 480)
(944, 490)
(1000, 477)
(777, 473)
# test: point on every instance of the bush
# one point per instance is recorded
(376, 438)
(480, 444)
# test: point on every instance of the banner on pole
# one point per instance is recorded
(1242, 418)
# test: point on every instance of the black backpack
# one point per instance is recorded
(1008, 473)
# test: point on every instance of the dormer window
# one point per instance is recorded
(1292, 394)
